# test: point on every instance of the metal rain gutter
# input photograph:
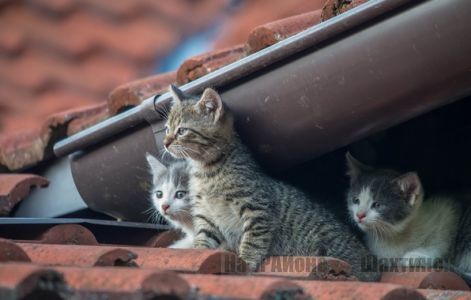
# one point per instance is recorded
(369, 69)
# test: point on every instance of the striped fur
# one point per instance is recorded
(462, 258)
(237, 204)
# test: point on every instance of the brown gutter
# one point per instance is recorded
(371, 68)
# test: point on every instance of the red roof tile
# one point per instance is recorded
(255, 13)
(273, 32)
(134, 92)
(79, 256)
(333, 8)
(240, 287)
(198, 66)
(20, 281)
(188, 260)
(126, 283)
(15, 187)
(321, 290)
(427, 280)
(73, 234)
(11, 252)
(306, 267)
(21, 149)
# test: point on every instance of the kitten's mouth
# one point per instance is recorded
(175, 154)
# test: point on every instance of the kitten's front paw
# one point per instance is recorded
(416, 259)
(251, 265)
(182, 244)
(225, 247)
(201, 245)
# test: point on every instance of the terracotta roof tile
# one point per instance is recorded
(72, 234)
(28, 147)
(306, 267)
(92, 280)
(134, 92)
(146, 39)
(324, 290)
(20, 281)
(251, 287)
(79, 256)
(99, 283)
(333, 8)
(198, 66)
(15, 187)
(255, 13)
(273, 32)
(58, 7)
(11, 252)
(427, 280)
(188, 260)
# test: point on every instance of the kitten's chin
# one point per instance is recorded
(363, 226)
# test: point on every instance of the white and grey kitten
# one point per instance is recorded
(171, 198)
(401, 228)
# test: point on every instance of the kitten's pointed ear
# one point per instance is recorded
(211, 104)
(155, 165)
(177, 94)
(411, 187)
(355, 167)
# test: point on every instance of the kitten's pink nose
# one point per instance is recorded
(168, 141)
(361, 216)
(165, 207)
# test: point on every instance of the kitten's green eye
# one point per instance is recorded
(180, 194)
(375, 205)
(356, 200)
(159, 194)
(182, 130)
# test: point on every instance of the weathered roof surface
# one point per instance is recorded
(87, 268)
(74, 261)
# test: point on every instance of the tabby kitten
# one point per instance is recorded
(237, 204)
(400, 227)
(170, 197)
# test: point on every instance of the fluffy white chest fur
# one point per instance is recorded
(428, 234)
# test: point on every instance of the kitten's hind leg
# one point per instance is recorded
(207, 235)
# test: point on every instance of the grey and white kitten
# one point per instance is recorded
(237, 204)
(171, 198)
(400, 227)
